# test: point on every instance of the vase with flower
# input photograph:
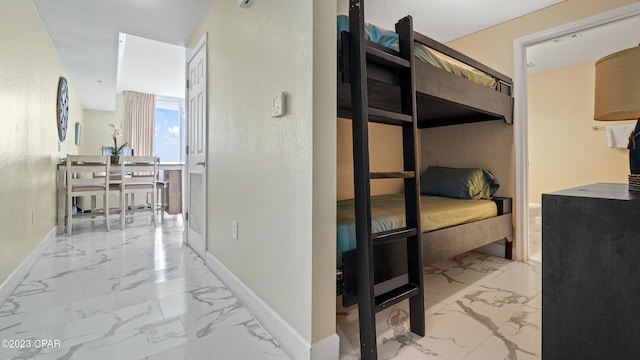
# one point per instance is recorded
(117, 150)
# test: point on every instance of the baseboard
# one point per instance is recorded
(297, 347)
(13, 280)
(326, 349)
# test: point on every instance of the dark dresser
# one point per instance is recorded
(591, 273)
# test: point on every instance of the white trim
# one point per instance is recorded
(522, 155)
(520, 111)
(326, 349)
(13, 280)
(191, 52)
(296, 346)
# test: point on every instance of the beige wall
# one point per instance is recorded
(96, 132)
(324, 171)
(265, 172)
(29, 73)
(564, 150)
(385, 154)
(486, 145)
(455, 146)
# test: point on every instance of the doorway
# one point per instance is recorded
(521, 45)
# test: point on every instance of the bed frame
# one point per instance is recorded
(442, 97)
(436, 245)
(376, 84)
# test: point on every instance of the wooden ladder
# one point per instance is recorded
(362, 55)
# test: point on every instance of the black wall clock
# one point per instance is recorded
(62, 108)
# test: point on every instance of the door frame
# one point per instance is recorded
(190, 53)
(520, 46)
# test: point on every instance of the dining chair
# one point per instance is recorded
(138, 175)
(80, 182)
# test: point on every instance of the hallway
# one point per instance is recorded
(142, 294)
(134, 294)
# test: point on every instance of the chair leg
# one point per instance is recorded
(106, 209)
(69, 213)
(123, 207)
(128, 205)
(93, 210)
(153, 206)
(160, 196)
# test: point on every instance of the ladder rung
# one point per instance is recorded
(393, 175)
(393, 235)
(388, 117)
(385, 59)
(396, 295)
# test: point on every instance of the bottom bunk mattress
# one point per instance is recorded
(387, 213)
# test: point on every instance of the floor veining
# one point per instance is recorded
(142, 294)
(133, 294)
(478, 307)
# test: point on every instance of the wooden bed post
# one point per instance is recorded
(403, 68)
(362, 191)
(410, 146)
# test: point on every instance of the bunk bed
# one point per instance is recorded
(380, 80)
(451, 225)
(451, 87)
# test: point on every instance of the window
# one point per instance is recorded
(169, 138)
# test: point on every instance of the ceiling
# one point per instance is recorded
(86, 35)
(585, 46)
(116, 45)
(150, 66)
(446, 20)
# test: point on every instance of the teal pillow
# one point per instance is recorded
(458, 183)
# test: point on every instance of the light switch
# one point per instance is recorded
(278, 105)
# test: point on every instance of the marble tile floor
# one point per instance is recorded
(478, 307)
(142, 294)
(132, 294)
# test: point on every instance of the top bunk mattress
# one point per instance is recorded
(389, 39)
(387, 213)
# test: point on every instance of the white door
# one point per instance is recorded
(196, 149)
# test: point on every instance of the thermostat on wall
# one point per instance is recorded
(245, 3)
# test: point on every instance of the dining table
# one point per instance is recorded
(169, 173)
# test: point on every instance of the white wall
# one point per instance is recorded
(273, 175)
